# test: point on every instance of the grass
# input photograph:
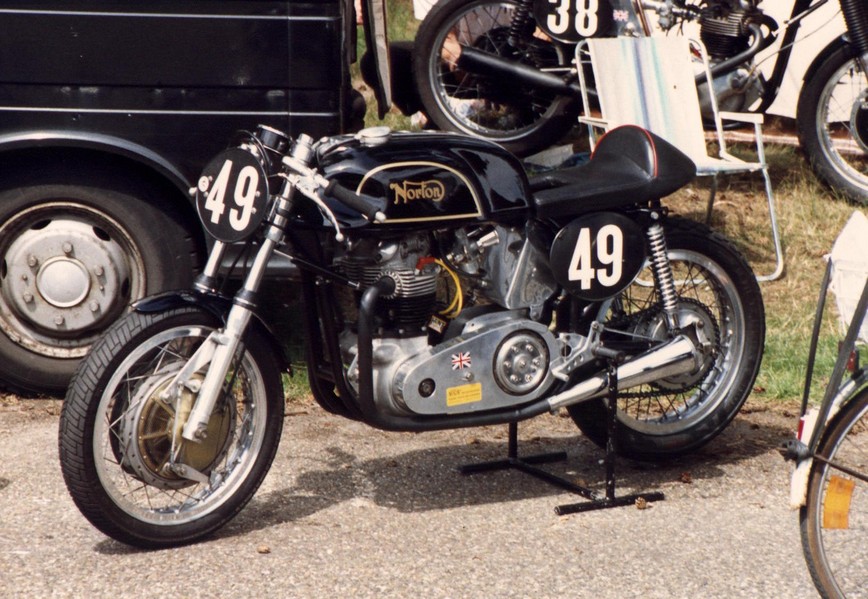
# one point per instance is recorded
(809, 217)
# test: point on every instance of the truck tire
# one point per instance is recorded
(77, 247)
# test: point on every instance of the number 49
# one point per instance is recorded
(610, 254)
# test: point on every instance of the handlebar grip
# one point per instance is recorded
(372, 208)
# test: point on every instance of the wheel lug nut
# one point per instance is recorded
(58, 320)
(94, 305)
(32, 261)
(99, 271)
(67, 247)
(28, 297)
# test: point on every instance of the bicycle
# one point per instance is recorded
(830, 483)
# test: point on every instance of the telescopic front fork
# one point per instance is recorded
(220, 348)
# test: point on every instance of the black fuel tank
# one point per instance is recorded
(428, 177)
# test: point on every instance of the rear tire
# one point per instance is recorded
(522, 119)
(716, 287)
(832, 115)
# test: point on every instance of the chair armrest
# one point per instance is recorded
(744, 117)
(594, 121)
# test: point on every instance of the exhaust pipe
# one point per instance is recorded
(482, 63)
(676, 357)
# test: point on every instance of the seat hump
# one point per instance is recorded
(667, 167)
(630, 165)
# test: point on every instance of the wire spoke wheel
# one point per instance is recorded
(705, 297)
(717, 295)
(833, 124)
(154, 487)
(500, 108)
(834, 521)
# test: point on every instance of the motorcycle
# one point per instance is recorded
(442, 288)
(505, 69)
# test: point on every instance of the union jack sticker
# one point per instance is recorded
(461, 360)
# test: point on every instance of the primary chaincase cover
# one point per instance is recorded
(428, 177)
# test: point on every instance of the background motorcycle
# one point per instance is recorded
(446, 291)
(502, 69)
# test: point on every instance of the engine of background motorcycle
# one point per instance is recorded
(724, 35)
(429, 357)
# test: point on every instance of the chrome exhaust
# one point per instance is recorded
(676, 357)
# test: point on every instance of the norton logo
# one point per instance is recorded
(408, 191)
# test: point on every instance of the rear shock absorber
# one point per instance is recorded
(521, 20)
(856, 17)
(663, 278)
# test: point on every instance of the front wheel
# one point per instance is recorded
(520, 117)
(716, 292)
(834, 519)
(117, 441)
(832, 115)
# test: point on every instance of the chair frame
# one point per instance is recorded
(723, 163)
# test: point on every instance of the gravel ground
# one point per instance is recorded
(349, 511)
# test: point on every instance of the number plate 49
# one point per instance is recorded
(232, 195)
(598, 255)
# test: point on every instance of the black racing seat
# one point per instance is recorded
(630, 165)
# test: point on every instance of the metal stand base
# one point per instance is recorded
(512, 461)
(595, 502)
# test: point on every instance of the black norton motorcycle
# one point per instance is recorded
(441, 289)
(504, 69)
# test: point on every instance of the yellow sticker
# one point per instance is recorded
(456, 396)
(836, 506)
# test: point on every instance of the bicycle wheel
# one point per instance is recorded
(834, 520)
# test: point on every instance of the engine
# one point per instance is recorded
(730, 29)
(722, 27)
(457, 333)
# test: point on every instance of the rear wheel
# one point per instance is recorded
(834, 520)
(520, 117)
(717, 291)
(76, 249)
(123, 460)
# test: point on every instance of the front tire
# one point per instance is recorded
(116, 432)
(834, 519)
(520, 118)
(715, 288)
(832, 115)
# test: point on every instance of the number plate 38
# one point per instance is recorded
(598, 255)
(232, 195)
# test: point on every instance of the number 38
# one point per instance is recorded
(585, 22)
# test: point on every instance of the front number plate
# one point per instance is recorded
(232, 195)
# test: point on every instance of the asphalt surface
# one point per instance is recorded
(348, 511)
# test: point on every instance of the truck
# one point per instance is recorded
(108, 112)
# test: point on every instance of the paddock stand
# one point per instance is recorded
(595, 502)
